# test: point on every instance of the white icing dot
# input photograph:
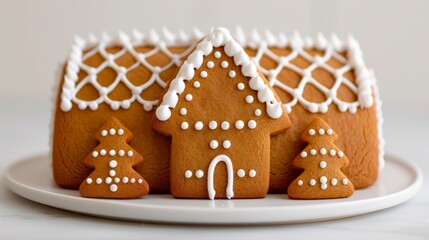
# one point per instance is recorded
(217, 54)
(240, 86)
(113, 188)
(104, 133)
(130, 153)
(332, 152)
(258, 112)
(249, 99)
(224, 64)
(199, 173)
(117, 180)
(323, 186)
(345, 181)
(321, 131)
(98, 181)
(188, 174)
(132, 180)
(241, 173)
(89, 180)
(322, 164)
(323, 179)
(184, 125)
(312, 182)
(213, 125)
(340, 154)
(203, 74)
(313, 152)
(121, 132)
(251, 124)
(198, 125)
(232, 74)
(183, 111)
(95, 154)
(252, 173)
(239, 124)
(103, 152)
(108, 180)
(311, 132)
(226, 144)
(303, 154)
(196, 84)
(125, 179)
(121, 152)
(140, 181)
(329, 132)
(188, 97)
(112, 173)
(214, 144)
(323, 151)
(225, 125)
(300, 182)
(334, 181)
(112, 131)
(210, 64)
(112, 152)
(113, 163)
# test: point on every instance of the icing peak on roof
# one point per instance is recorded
(219, 37)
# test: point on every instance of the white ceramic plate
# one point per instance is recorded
(399, 181)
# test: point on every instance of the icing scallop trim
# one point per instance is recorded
(219, 37)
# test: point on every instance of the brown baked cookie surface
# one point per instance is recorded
(220, 113)
(322, 163)
(113, 160)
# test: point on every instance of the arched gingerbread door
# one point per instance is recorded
(210, 176)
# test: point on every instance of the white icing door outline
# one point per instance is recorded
(210, 176)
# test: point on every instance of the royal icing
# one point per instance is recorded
(210, 176)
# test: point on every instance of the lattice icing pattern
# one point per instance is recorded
(262, 43)
(128, 44)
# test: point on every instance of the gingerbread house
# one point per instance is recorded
(219, 108)
(124, 76)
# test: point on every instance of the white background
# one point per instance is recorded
(35, 36)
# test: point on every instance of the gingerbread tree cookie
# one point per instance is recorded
(113, 160)
(322, 163)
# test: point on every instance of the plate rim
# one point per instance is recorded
(159, 213)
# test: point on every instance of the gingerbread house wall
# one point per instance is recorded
(360, 138)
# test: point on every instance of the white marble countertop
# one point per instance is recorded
(24, 132)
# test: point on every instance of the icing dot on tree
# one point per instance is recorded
(313, 152)
(113, 188)
(95, 154)
(303, 154)
(322, 164)
(334, 181)
(121, 132)
(332, 152)
(102, 152)
(300, 182)
(98, 180)
(112, 173)
(113, 163)
(183, 111)
(130, 153)
(108, 180)
(184, 125)
(323, 151)
(89, 180)
(249, 99)
(112, 152)
(258, 112)
(104, 133)
(311, 132)
(199, 126)
(112, 131)
(321, 131)
(203, 74)
(312, 182)
(252, 173)
(196, 84)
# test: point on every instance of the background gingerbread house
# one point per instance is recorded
(123, 77)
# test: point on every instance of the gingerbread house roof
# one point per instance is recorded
(347, 54)
(220, 37)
